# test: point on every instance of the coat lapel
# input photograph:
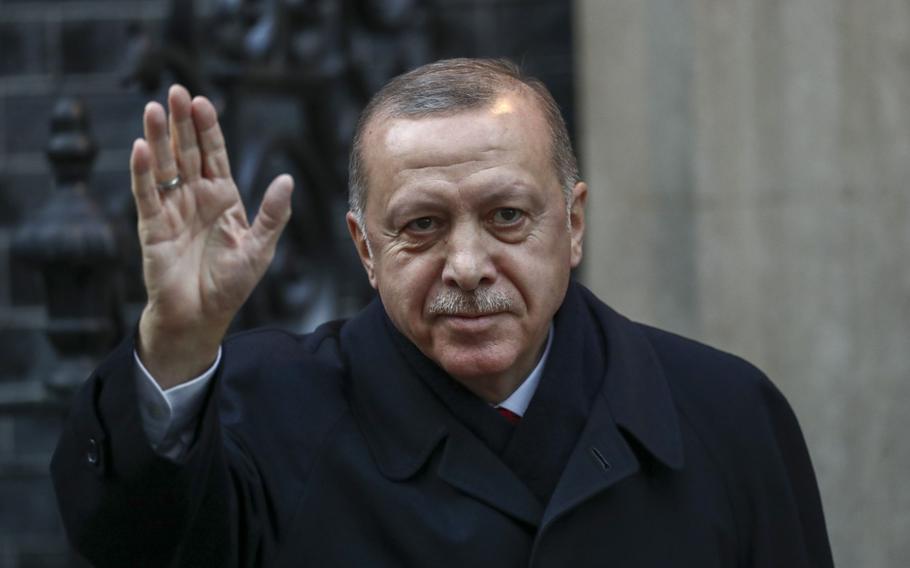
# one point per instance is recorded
(635, 401)
(637, 391)
(399, 419)
(468, 465)
(403, 423)
(601, 458)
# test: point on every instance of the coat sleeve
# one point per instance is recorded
(787, 521)
(122, 504)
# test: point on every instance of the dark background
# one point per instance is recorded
(337, 52)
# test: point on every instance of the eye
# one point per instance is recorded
(507, 216)
(422, 225)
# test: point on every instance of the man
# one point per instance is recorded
(484, 410)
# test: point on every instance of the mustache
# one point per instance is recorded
(479, 302)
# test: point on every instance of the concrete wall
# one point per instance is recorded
(749, 163)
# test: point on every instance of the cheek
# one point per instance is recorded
(405, 281)
(539, 268)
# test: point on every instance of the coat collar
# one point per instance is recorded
(401, 420)
(635, 400)
(636, 388)
(403, 423)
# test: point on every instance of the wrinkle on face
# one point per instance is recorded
(459, 172)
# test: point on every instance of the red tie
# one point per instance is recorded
(508, 415)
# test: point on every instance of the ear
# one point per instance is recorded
(360, 243)
(577, 220)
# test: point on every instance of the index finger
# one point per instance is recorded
(145, 191)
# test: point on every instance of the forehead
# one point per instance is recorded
(509, 134)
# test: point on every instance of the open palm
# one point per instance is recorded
(201, 256)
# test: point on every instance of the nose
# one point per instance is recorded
(469, 264)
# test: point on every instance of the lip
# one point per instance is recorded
(471, 323)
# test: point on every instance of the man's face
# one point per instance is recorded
(471, 243)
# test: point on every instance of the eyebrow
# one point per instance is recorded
(513, 190)
(422, 202)
(434, 199)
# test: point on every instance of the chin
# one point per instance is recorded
(466, 364)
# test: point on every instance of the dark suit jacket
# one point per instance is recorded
(323, 450)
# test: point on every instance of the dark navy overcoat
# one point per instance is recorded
(324, 450)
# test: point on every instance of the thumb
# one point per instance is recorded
(274, 212)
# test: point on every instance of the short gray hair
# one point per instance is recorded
(450, 86)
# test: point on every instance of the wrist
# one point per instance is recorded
(176, 355)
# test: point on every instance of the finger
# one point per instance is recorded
(274, 213)
(145, 192)
(183, 133)
(214, 153)
(154, 122)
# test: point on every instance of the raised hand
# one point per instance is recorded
(201, 257)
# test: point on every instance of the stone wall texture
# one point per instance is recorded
(749, 163)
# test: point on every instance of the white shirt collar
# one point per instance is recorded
(519, 400)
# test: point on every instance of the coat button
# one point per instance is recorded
(92, 455)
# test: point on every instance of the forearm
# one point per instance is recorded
(122, 503)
